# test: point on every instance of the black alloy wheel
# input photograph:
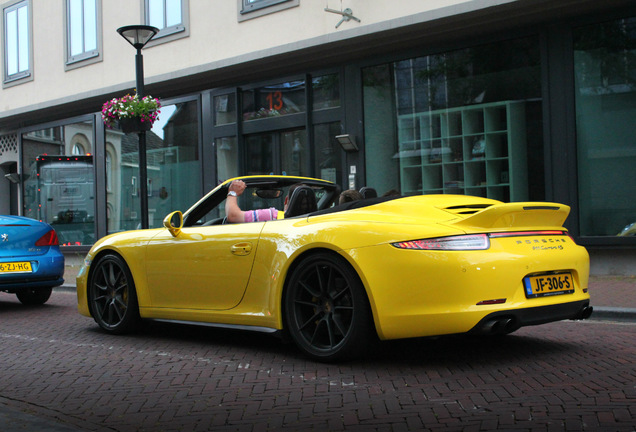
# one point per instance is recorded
(112, 296)
(326, 309)
(34, 296)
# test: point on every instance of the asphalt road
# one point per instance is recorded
(60, 373)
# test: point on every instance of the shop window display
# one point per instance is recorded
(461, 122)
(59, 184)
(605, 92)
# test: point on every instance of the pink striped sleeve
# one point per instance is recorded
(261, 215)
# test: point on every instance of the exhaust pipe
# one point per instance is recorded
(585, 313)
(499, 326)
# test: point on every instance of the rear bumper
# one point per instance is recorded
(503, 322)
(48, 272)
(16, 285)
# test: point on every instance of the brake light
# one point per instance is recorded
(48, 239)
(455, 243)
(527, 233)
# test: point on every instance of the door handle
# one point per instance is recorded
(241, 249)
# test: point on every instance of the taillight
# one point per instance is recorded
(455, 243)
(48, 239)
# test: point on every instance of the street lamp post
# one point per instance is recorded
(138, 36)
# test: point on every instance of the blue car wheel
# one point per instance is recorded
(34, 296)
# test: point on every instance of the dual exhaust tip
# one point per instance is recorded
(505, 325)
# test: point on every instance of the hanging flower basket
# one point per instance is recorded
(130, 113)
(133, 124)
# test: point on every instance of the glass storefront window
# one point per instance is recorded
(274, 100)
(259, 154)
(224, 109)
(326, 91)
(174, 172)
(327, 153)
(605, 89)
(59, 185)
(380, 122)
(294, 153)
(467, 122)
(227, 158)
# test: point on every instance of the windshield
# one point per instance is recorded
(259, 196)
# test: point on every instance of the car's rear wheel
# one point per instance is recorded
(326, 309)
(34, 296)
(112, 296)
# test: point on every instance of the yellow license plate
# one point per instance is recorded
(548, 285)
(16, 267)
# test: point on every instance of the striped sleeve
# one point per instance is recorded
(261, 215)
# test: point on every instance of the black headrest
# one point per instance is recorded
(302, 201)
(368, 192)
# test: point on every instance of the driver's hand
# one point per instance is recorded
(237, 186)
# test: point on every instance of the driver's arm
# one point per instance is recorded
(233, 212)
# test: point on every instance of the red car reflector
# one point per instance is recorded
(48, 239)
(491, 302)
(456, 243)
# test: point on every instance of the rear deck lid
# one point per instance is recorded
(18, 237)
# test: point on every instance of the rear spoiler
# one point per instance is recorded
(516, 215)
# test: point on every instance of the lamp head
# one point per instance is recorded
(13, 177)
(347, 142)
(138, 35)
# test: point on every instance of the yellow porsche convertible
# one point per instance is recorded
(336, 278)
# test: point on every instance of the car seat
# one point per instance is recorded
(368, 192)
(302, 201)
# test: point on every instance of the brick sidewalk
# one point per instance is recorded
(613, 291)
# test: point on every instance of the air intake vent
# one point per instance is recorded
(466, 209)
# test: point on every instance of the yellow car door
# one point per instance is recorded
(202, 267)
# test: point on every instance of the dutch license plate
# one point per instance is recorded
(548, 285)
(16, 267)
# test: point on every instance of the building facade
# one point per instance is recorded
(517, 100)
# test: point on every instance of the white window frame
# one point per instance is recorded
(171, 32)
(248, 9)
(92, 55)
(26, 74)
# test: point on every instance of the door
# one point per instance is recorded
(203, 267)
(281, 152)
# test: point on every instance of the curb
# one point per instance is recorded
(608, 313)
(65, 288)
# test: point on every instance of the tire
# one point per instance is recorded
(34, 296)
(112, 296)
(327, 311)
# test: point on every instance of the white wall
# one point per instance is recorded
(216, 38)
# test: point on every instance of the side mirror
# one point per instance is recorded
(174, 223)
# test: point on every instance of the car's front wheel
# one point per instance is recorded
(34, 296)
(112, 296)
(326, 309)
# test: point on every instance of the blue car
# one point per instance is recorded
(31, 263)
